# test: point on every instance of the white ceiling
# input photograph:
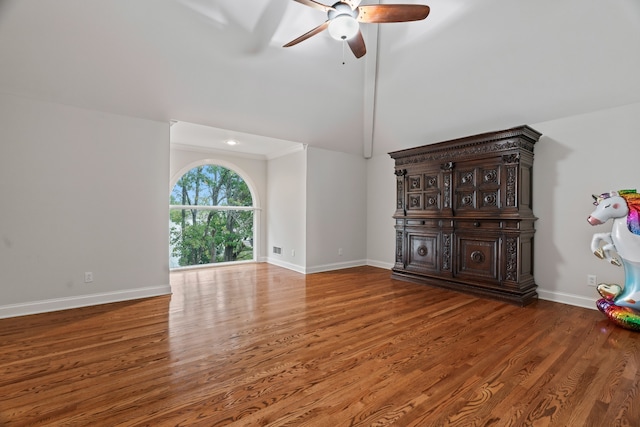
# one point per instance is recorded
(194, 136)
(472, 66)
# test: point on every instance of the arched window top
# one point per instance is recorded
(211, 185)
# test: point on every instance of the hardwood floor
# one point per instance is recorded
(260, 345)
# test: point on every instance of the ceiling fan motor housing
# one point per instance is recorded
(342, 21)
(341, 8)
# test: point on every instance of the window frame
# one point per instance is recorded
(255, 207)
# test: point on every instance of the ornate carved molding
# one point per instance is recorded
(489, 176)
(510, 196)
(446, 252)
(431, 202)
(446, 166)
(415, 201)
(422, 250)
(511, 158)
(415, 183)
(447, 190)
(490, 199)
(518, 138)
(512, 259)
(473, 150)
(466, 200)
(477, 257)
(466, 178)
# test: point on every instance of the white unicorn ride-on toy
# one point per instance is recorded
(621, 247)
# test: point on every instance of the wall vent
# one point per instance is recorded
(277, 250)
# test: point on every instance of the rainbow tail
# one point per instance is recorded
(624, 317)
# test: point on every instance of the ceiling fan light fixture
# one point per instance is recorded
(345, 16)
(343, 27)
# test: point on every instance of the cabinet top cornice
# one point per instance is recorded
(521, 137)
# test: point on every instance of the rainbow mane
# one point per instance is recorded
(633, 202)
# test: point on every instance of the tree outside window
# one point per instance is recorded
(211, 218)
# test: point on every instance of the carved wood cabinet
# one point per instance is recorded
(464, 216)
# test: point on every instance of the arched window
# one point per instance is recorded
(211, 218)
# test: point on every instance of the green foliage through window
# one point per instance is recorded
(203, 236)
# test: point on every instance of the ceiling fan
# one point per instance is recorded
(345, 15)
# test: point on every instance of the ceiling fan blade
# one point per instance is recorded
(352, 3)
(356, 43)
(380, 13)
(315, 5)
(320, 28)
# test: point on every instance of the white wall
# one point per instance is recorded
(252, 170)
(336, 210)
(286, 210)
(576, 157)
(315, 204)
(81, 191)
(381, 204)
(87, 191)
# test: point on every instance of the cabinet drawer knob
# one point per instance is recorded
(476, 223)
(477, 256)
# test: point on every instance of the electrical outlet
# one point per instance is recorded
(340, 251)
(293, 252)
(88, 277)
(592, 280)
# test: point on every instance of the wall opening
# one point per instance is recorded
(212, 218)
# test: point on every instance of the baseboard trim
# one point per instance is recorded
(56, 304)
(326, 267)
(287, 265)
(335, 266)
(380, 264)
(569, 299)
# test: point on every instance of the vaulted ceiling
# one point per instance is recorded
(471, 66)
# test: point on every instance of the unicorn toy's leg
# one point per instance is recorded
(604, 252)
(609, 250)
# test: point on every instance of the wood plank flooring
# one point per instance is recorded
(258, 345)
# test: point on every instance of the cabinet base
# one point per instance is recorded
(517, 298)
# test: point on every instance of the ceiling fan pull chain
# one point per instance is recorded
(344, 43)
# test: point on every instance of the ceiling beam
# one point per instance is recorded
(370, 83)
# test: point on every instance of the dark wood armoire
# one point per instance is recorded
(464, 216)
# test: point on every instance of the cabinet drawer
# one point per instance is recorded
(478, 257)
(478, 224)
(428, 223)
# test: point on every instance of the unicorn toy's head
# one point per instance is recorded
(608, 205)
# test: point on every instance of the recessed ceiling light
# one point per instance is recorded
(232, 142)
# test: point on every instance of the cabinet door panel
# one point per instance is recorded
(478, 186)
(423, 252)
(425, 191)
(478, 256)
